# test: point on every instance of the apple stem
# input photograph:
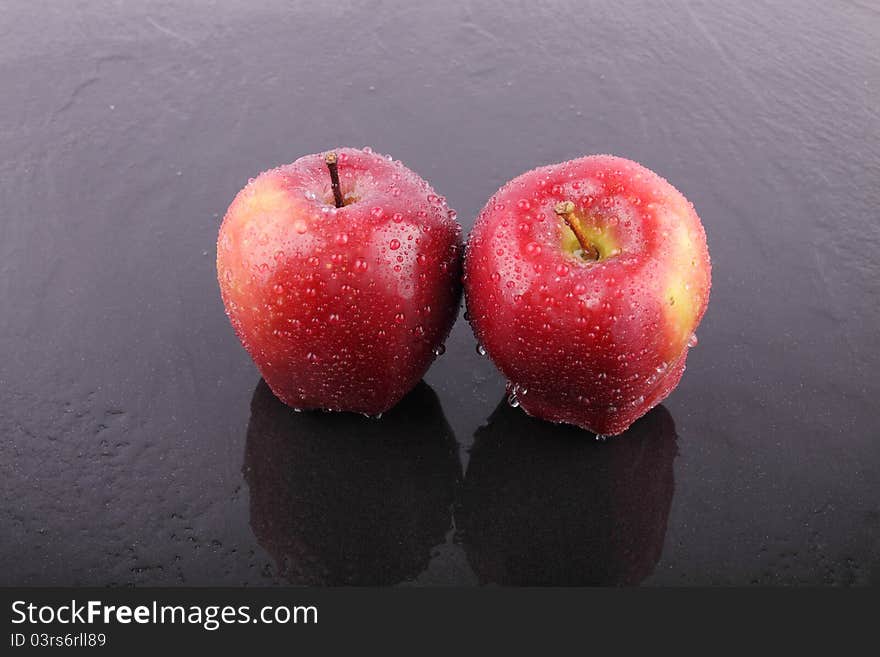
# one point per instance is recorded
(331, 160)
(565, 209)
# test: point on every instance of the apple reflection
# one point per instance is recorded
(341, 499)
(546, 505)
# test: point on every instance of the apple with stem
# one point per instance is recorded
(340, 274)
(584, 283)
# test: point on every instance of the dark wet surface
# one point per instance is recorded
(136, 446)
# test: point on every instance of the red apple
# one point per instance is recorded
(342, 294)
(585, 282)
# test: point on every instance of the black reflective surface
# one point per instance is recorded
(131, 450)
(342, 499)
(541, 506)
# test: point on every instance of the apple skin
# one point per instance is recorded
(596, 344)
(341, 309)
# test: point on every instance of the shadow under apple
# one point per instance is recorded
(341, 499)
(546, 505)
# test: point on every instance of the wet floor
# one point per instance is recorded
(137, 444)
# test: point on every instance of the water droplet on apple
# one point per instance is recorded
(367, 149)
(513, 400)
(481, 350)
(602, 438)
(533, 248)
(361, 265)
(439, 350)
(342, 238)
(311, 196)
(394, 244)
(693, 341)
